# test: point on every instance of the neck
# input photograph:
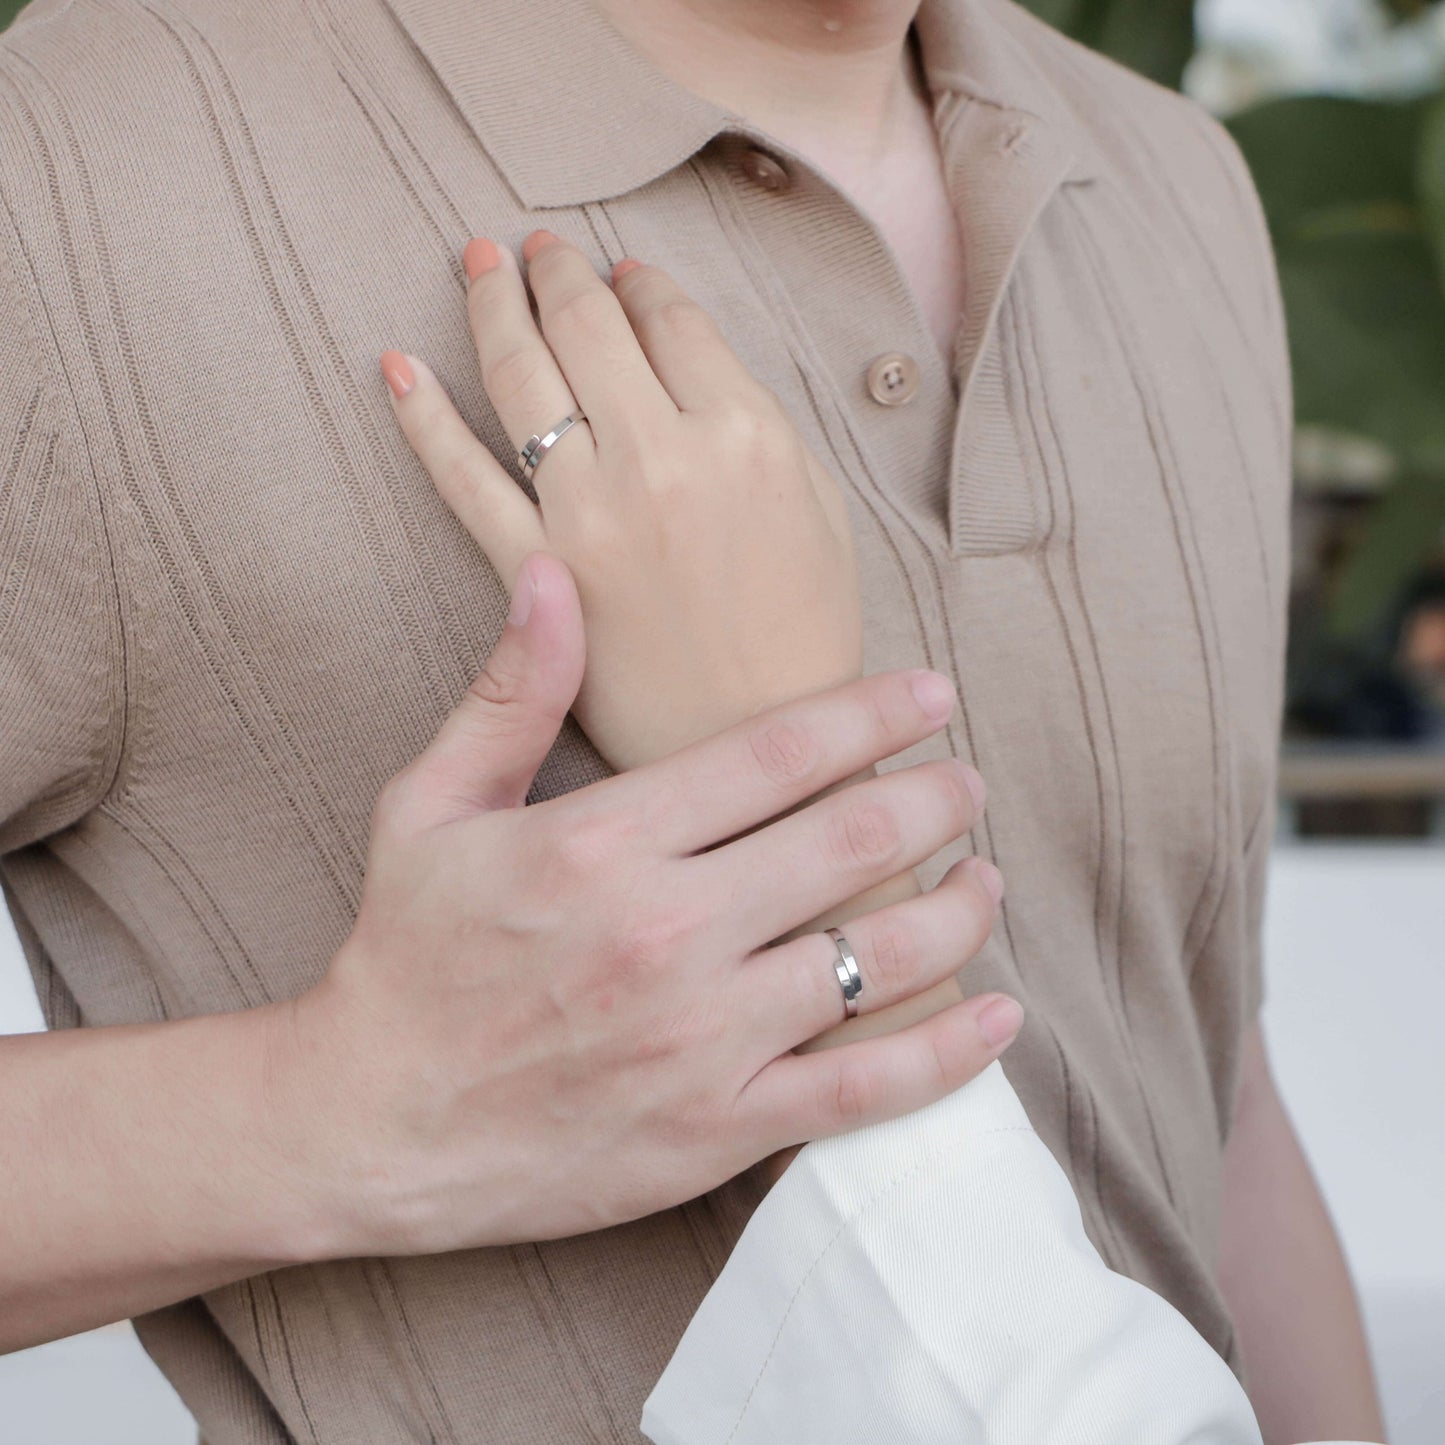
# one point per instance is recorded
(831, 72)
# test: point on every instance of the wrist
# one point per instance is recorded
(329, 1199)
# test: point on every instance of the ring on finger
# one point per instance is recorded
(538, 445)
(849, 978)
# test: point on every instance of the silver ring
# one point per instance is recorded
(848, 975)
(537, 447)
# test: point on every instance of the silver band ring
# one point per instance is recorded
(848, 975)
(537, 447)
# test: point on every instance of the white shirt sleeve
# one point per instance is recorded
(929, 1280)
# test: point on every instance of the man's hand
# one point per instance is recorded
(547, 1019)
(561, 1017)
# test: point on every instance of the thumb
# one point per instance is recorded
(489, 749)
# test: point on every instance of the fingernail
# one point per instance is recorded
(977, 788)
(480, 256)
(524, 594)
(623, 267)
(398, 373)
(989, 876)
(935, 694)
(535, 242)
(1000, 1023)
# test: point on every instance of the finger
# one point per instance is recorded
(488, 503)
(715, 789)
(521, 376)
(810, 1096)
(681, 341)
(901, 950)
(842, 845)
(487, 752)
(584, 325)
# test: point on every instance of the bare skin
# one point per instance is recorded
(836, 81)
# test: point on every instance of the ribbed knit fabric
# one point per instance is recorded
(231, 604)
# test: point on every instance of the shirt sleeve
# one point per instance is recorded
(1275, 504)
(929, 1280)
(1248, 260)
(61, 655)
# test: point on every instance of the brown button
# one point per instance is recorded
(759, 166)
(893, 379)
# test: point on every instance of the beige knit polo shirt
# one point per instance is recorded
(232, 605)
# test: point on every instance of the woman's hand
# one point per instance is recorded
(712, 551)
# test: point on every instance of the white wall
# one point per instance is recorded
(1355, 1013)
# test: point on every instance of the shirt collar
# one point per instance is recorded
(571, 113)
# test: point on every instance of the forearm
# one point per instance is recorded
(146, 1164)
(1286, 1281)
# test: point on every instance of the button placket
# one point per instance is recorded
(1017, 166)
(820, 248)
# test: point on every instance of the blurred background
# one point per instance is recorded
(1339, 106)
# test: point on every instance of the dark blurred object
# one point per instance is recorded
(1154, 37)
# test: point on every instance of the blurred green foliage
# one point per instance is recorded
(1355, 195)
(8, 10)
(1155, 37)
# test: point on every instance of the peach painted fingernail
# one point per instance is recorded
(398, 373)
(480, 256)
(535, 242)
(623, 267)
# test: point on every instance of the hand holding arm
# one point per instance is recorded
(547, 1019)
(713, 552)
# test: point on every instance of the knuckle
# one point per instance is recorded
(681, 320)
(784, 751)
(973, 917)
(495, 686)
(881, 715)
(895, 957)
(513, 372)
(747, 433)
(638, 949)
(863, 836)
(957, 798)
(956, 1057)
(683, 1032)
(585, 312)
(456, 475)
(950, 1065)
(661, 481)
(584, 848)
(391, 802)
(853, 1093)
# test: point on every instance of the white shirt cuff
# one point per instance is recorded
(929, 1280)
